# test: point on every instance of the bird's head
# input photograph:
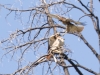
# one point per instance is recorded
(57, 34)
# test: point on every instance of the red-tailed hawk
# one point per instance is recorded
(55, 42)
(71, 25)
(54, 46)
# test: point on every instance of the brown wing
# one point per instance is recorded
(66, 21)
(74, 29)
(62, 19)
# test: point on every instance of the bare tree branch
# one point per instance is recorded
(39, 22)
(91, 48)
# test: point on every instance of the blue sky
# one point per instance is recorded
(81, 52)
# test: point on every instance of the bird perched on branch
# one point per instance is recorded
(54, 46)
(55, 42)
(71, 25)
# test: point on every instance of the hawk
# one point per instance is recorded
(54, 46)
(71, 25)
(55, 42)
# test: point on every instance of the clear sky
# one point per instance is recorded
(81, 52)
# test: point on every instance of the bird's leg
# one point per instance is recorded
(52, 53)
(54, 58)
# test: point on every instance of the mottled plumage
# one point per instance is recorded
(71, 25)
(55, 41)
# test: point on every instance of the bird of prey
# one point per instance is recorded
(55, 42)
(71, 25)
(54, 46)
